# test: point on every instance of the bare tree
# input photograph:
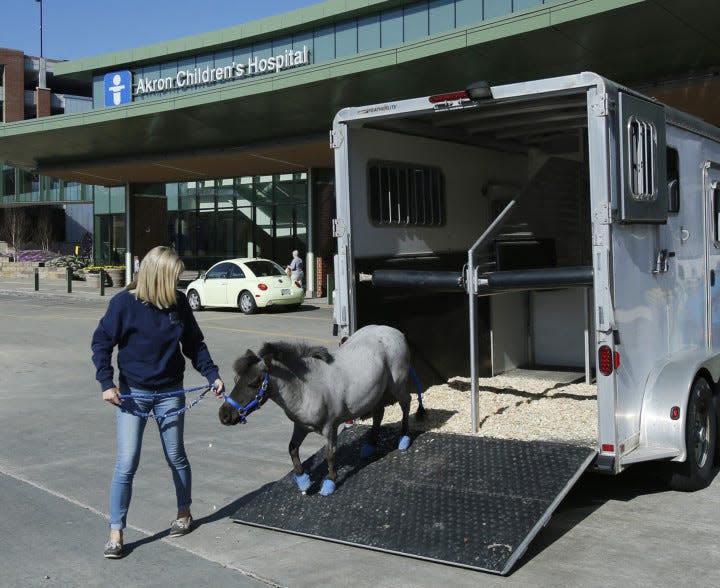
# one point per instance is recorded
(44, 229)
(16, 226)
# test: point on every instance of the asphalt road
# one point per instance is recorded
(57, 451)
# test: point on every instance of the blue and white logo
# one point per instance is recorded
(118, 88)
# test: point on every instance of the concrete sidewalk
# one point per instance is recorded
(80, 290)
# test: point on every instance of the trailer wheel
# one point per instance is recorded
(700, 441)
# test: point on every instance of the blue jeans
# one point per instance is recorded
(130, 430)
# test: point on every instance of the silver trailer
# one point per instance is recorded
(564, 222)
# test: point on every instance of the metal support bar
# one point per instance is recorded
(440, 281)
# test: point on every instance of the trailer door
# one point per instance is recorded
(712, 190)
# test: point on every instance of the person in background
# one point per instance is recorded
(151, 324)
(296, 267)
(136, 267)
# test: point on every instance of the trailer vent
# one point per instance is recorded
(642, 140)
(405, 194)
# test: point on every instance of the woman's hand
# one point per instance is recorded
(218, 387)
(112, 395)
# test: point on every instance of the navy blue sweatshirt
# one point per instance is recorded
(151, 343)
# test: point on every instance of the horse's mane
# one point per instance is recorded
(293, 353)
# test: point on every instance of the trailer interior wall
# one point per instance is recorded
(472, 178)
(514, 329)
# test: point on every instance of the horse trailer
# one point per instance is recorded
(567, 223)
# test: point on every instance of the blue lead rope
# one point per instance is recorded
(156, 395)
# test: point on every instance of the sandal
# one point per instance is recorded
(180, 527)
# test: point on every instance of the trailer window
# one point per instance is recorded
(673, 179)
(406, 194)
(642, 152)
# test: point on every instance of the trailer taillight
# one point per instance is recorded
(607, 448)
(605, 360)
(449, 97)
(616, 359)
(675, 413)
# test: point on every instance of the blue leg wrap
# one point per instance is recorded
(303, 482)
(404, 443)
(328, 487)
(367, 450)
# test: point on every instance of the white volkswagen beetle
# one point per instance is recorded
(247, 284)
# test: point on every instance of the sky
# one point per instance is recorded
(74, 29)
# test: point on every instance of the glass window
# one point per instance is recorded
(305, 39)
(442, 16)
(263, 231)
(264, 268)
(187, 192)
(243, 55)
(225, 194)
(74, 191)
(173, 196)
(203, 61)
(98, 92)
(101, 200)
(236, 272)
(279, 46)
(415, 22)
(369, 33)
(206, 195)
(346, 39)
(186, 65)
(219, 272)
(243, 245)
(223, 58)
(117, 199)
(262, 50)
(391, 28)
(324, 42)
(244, 191)
(263, 189)
(8, 181)
(493, 8)
(523, 4)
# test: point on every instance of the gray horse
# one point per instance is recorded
(319, 390)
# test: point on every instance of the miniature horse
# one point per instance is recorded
(318, 390)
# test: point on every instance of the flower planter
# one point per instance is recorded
(116, 277)
(92, 279)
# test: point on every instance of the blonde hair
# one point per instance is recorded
(158, 277)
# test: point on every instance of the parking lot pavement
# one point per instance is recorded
(57, 451)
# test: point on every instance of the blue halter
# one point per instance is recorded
(254, 404)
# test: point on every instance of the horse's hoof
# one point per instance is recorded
(404, 443)
(328, 487)
(367, 450)
(303, 482)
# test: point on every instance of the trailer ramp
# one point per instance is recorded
(466, 501)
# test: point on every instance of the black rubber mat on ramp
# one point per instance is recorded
(467, 501)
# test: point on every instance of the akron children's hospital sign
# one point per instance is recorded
(120, 90)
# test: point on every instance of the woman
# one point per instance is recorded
(153, 327)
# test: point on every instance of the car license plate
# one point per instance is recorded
(285, 292)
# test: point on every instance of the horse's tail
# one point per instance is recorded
(421, 412)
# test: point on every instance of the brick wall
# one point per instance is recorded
(14, 85)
